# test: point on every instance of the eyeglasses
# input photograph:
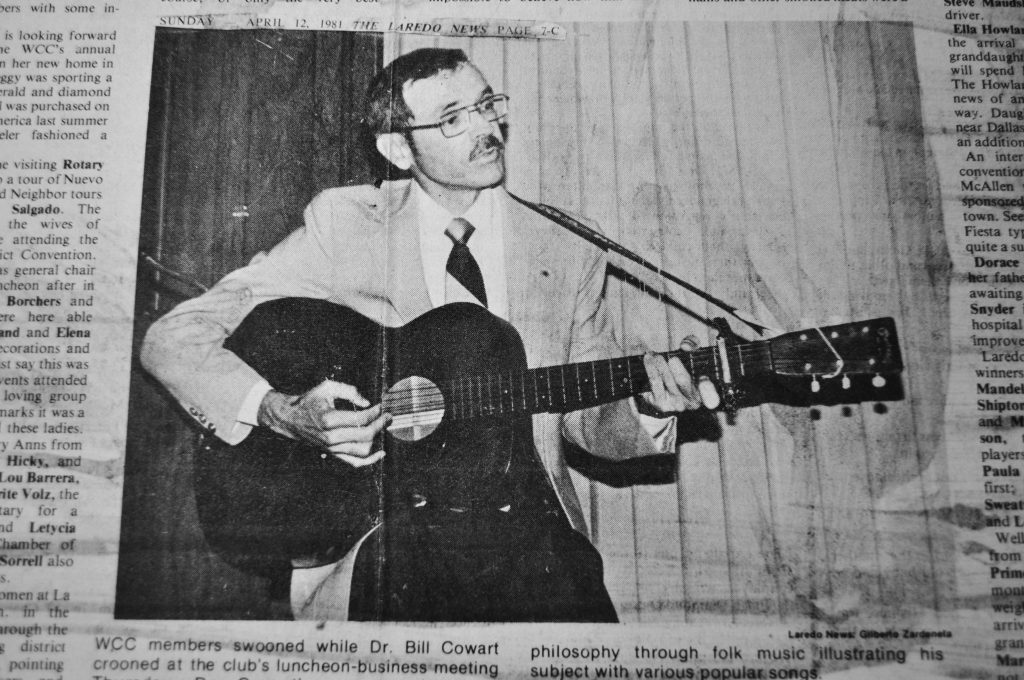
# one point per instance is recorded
(454, 123)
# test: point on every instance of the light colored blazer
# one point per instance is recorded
(359, 248)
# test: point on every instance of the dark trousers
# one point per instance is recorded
(479, 566)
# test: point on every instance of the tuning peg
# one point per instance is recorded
(815, 385)
(878, 381)
(846, 382)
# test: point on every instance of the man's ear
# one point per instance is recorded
(395, 147)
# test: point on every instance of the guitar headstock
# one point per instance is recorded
(862, 348)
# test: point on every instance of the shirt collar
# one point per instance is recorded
(435, 219)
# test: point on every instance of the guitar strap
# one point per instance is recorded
(606, 244)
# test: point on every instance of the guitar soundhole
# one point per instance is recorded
(416, 406)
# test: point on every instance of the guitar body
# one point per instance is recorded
(271, 502)
(467, 512)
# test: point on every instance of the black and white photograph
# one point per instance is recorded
(648, 324)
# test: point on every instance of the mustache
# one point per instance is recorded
(485, 144)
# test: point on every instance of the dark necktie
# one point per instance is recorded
(461, 265)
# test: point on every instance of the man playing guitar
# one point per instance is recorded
(496, 541)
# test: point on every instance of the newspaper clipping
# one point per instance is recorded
(511, 338)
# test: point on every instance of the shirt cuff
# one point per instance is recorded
(661, 430)
(248, 414)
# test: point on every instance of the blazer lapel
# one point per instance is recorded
(525, 253)
(532, 268)
(538, 298)
(406, 285)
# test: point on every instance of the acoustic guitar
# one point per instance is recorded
(461, 396)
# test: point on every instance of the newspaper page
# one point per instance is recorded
(436, 218)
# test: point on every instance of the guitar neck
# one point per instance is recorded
(864, 348)
(571, 387)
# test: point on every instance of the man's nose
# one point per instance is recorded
(478, 124)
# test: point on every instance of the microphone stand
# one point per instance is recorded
(606, 244)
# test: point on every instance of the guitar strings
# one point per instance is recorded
(554, 375)
(486, 381)
(512, 389)
(506, 391)
(710, 359)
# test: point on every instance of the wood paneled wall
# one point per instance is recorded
(783, 167)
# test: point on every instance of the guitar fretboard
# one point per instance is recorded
(866, 347)
(570, 387)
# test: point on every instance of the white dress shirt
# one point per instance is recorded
(487, 244)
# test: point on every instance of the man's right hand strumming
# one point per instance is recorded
(313, 418)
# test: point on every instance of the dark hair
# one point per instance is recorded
(385, 105)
